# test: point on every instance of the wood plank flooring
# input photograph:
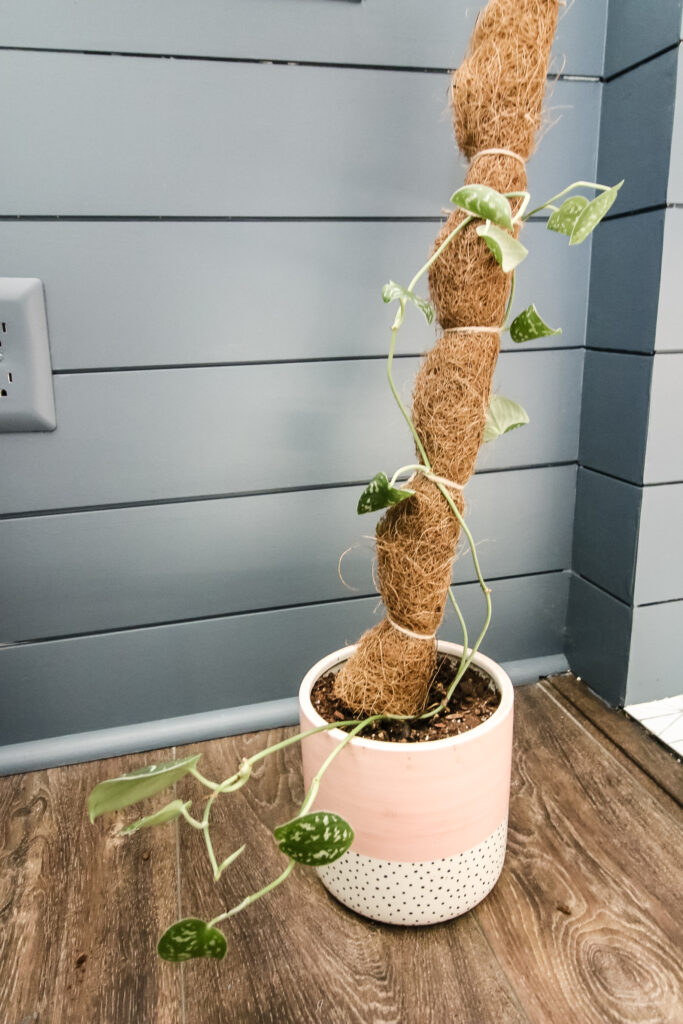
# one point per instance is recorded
(584, 924)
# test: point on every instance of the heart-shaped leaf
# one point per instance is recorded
(317, 838)
(503, 415)
(392, 291)
(482, 201)
(564, 219)
(378, 494)
(113, 794)
(529, 325)
(191, 938)
(168, 813)
(593, 214)
(507, 250)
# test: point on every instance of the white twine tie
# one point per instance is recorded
(498, 152)
(409, 632)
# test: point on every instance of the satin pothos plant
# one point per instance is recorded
(317, 838)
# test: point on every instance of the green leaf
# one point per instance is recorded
(113, 794)
(593, 214)
(191, 938)
(392, 291)
(503, 415)
(317, 838)
(529, 325)
(168, 813)
(507, 250)
(564, 219)
(378, 494)
(482, 201)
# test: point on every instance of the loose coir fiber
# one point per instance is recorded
(497, 98)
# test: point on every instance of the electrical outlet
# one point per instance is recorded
(26, 396)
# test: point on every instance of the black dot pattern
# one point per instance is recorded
(424, 892)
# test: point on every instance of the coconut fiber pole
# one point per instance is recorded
(497, 99)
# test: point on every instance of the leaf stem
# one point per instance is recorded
(576, 184)
(254, 896)
(505, 326)
(315, 783)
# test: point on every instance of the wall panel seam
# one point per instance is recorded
(136, 627)
(195, 498)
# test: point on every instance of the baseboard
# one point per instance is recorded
(168, 732)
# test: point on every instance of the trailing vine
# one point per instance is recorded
(317, 838)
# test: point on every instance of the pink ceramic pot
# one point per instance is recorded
(430, 819)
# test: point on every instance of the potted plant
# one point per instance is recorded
(406, 740)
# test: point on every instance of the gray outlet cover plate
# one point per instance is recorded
(26, 394)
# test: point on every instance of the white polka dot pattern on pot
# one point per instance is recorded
(425, 892)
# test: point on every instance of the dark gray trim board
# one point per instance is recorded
(598, 639)
(91, 746)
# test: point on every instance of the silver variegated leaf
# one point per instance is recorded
(189, 939)
(564, 219)
(593, 214)
(318, 838)
(113, 794)
(168, 813)
(529, 325)
(378, 494)
(503, 415)
(506, 249)
(392, 291)
(482, 201)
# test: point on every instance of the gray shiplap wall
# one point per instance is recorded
(213, 235)
(626, 597)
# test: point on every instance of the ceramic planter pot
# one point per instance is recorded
(430, 819)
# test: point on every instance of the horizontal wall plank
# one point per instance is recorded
(668, 313)
(614, 413)
(625, 284)
(394, 32)
(165, 293)
(149, 435)
(648, 94)
(67, 686)
(635, 33)
(664, 454)
(166, 563)
(654, 670)
(598, 639)
(659, 571)
(158, 137)
(606, 532)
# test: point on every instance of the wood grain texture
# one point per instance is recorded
(79, 906)
(657, 763)
(389, 32)
(178, 292)
(582, 925)
(588, 881)
(301, 956)
(138, 136)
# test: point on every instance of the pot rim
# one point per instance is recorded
(498, 675)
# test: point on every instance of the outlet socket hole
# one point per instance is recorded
(4, 328)
(9, 377)
(3, 393)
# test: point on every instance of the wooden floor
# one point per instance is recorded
(584, 925)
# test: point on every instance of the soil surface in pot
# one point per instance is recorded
(474, 700)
